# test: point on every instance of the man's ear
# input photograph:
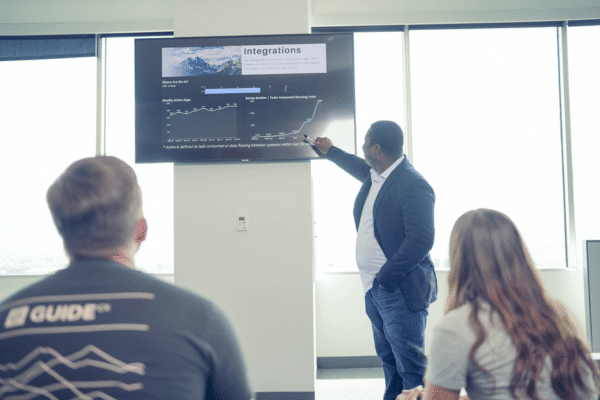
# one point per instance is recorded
(139, 235)
(375, 149)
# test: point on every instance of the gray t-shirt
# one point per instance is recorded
(449, 366)
(99, 330)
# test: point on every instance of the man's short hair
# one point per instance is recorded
(389, 136)
(96, 204)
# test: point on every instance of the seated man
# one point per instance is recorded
(101, 329)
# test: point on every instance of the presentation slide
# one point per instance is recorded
(242, 98)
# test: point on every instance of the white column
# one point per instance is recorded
(262, 278)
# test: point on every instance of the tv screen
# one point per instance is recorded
(243, 98)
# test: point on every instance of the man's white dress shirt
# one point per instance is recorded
(369, 256)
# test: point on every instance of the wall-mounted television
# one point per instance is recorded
(242, 98)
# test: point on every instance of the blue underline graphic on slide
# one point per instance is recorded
(232, 91)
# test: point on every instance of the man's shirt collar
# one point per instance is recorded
(379, 179)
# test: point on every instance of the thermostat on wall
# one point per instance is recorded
(242, 221)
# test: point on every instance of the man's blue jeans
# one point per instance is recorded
(399, 335)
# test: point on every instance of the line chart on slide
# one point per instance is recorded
(214, 121)
(282, 118)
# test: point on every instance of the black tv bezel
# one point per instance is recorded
(148, 131)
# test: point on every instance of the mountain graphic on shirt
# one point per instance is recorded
(16, 379)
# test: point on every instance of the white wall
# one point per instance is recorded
(262, 278)
(409, 12)
(43, 17)
(344, 330)
(61, 17)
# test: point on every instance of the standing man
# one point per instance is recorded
(99, 329)
(393, 213)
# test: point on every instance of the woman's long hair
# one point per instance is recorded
(489, 261)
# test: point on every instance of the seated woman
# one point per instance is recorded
(503, 336)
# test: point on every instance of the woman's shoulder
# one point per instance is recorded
(464, 311)
(456, 320)
(460, 319)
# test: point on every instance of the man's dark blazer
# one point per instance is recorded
(403, 224)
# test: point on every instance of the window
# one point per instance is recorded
(584, 82)
(156, 255)
(487, 130)
(48, 121)
(379, 87)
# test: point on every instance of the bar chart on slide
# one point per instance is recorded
(209, 120)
